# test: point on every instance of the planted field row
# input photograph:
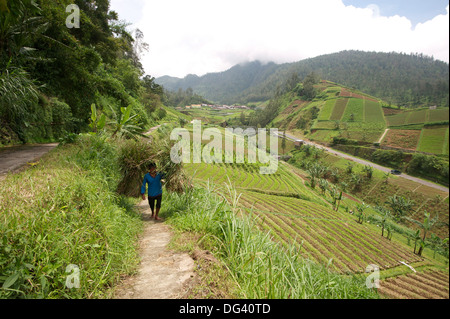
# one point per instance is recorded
(247, 176)
(342, 110)
(326, 111)
(434, 140)
(424, 285)
(339, 109)
(326, 234)
(373, 112)
(354, 112)
(348, 93)
(418, 117)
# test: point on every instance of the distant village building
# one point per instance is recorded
(434, 107)
(298, 143)
(196, 106)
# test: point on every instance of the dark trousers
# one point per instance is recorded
(152, 200)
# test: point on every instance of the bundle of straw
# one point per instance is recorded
(135, 157)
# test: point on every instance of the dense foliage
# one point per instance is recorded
(51, 74)
(405, 79)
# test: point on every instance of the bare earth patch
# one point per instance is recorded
(406, 139)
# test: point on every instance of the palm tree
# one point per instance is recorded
(386, 177)
(125, 124)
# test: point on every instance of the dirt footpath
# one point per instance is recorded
(162, 273)
(14, 157)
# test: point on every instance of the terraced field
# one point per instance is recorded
(431, 284)
(247, 177)
(324, 234)
(293, 212)
(283, 205)
(434, 140)
(350, 115)
(418, 117)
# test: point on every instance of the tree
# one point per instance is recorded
(315, 170)
(323, 184)
(356, 180)
(384, 221)
(368, 170)
(242, 118)
(400, 205)
(283, 142)
(336, 195)
(360, 208)
(427, 225)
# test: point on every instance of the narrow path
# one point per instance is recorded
(162, 273)
(382, 136)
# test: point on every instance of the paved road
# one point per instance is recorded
(364, 162)
(14, 157)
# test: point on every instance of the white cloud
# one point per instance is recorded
(201, 36)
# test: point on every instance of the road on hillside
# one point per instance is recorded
(364, 162)
(14, 157)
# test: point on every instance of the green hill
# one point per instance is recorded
(406, 80)
(335, 112)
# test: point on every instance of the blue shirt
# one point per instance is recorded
(154, 185)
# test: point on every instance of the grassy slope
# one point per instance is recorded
(64, 211)
(357, 115)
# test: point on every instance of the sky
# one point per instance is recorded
(204, 36)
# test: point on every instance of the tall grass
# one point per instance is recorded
(261, 267)
(64, 212)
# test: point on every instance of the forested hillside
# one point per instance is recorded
(407, 80)
(51, 72)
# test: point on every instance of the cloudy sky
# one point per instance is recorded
(202, 36)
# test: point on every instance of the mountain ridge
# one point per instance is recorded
(409, 80)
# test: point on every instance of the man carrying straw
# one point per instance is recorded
(153, 180)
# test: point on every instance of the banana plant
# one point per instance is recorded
(360, 208)
(125, 123)
(97, 123)
(427, 225)
(384, 222)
